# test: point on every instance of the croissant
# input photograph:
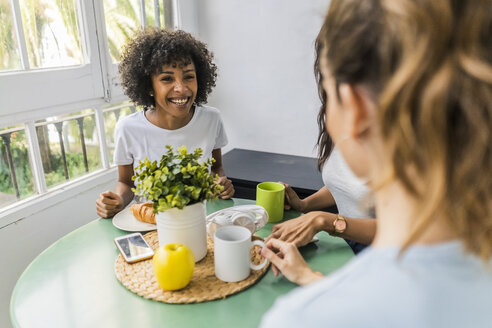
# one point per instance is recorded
(143, 212)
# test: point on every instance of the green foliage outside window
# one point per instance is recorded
(122, 21)
(75, 166)
(21, 163)
(54, 176)
(9, 56)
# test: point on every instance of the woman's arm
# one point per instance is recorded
(317, 201)
(125, 183)
(109, 203)
(301, 230)
(358, 230)
(218, 169)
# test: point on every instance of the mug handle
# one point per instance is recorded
(261, 265)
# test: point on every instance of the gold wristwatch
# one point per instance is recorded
(339, 225)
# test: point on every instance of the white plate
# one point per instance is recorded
(125, 220)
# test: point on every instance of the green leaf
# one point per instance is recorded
(179, 179)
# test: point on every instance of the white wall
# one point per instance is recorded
(25, 238)
(264, 50)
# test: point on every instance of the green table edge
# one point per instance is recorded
(212, 206)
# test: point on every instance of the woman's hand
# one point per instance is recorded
(228, 191)
(286, 258)
(292, 200)
(300, 231)
(217, 169)
(108, 204)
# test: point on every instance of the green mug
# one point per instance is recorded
(271, 195)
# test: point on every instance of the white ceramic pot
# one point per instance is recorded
(186, 226)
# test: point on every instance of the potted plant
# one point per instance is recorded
(178, 186)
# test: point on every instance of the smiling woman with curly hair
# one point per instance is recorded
(153, 48)
(170, 74)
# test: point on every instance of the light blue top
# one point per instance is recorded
(429, 286)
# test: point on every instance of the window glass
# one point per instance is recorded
(123, 20)
(9, 49)
(16, 179)
(69, 146)
(113, 114)
(52, 32)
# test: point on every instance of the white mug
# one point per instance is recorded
(232, 246)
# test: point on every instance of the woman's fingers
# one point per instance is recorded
(109, 207)
(282, 246)
(272, 235)
(108, 204)
(290, 194)
(110, 195)
(286, 259)
(287, 205)
(277, 232)
(102, 211)
(228, 191)
(272, 257)
(292, 200)
(110, 198)
(289, 231)
(275, 270)
(289, 261)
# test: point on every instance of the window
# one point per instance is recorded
(124, 18)
(9, 46)
(51, 33)
(16, 180)
(69, 146)
(52, 48)
(59, 88)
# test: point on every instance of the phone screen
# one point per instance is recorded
(134, 246)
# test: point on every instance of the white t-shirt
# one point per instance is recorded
(351, 195)
(136, 138)
(430, 286)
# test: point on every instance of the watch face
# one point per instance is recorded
(340, 225)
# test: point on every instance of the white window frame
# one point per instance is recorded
(30, 95)
(172, 20)
(42, 89)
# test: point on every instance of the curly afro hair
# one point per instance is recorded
(152, 48)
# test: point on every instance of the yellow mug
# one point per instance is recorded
(271, 195)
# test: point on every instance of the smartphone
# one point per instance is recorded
(133, 247)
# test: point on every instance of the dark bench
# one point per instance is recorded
(247, 168)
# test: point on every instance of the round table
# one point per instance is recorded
(73, 284)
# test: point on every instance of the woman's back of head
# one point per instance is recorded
(428, 65)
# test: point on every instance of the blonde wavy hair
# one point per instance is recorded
(428, 64)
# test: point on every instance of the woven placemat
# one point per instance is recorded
(204, 285)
